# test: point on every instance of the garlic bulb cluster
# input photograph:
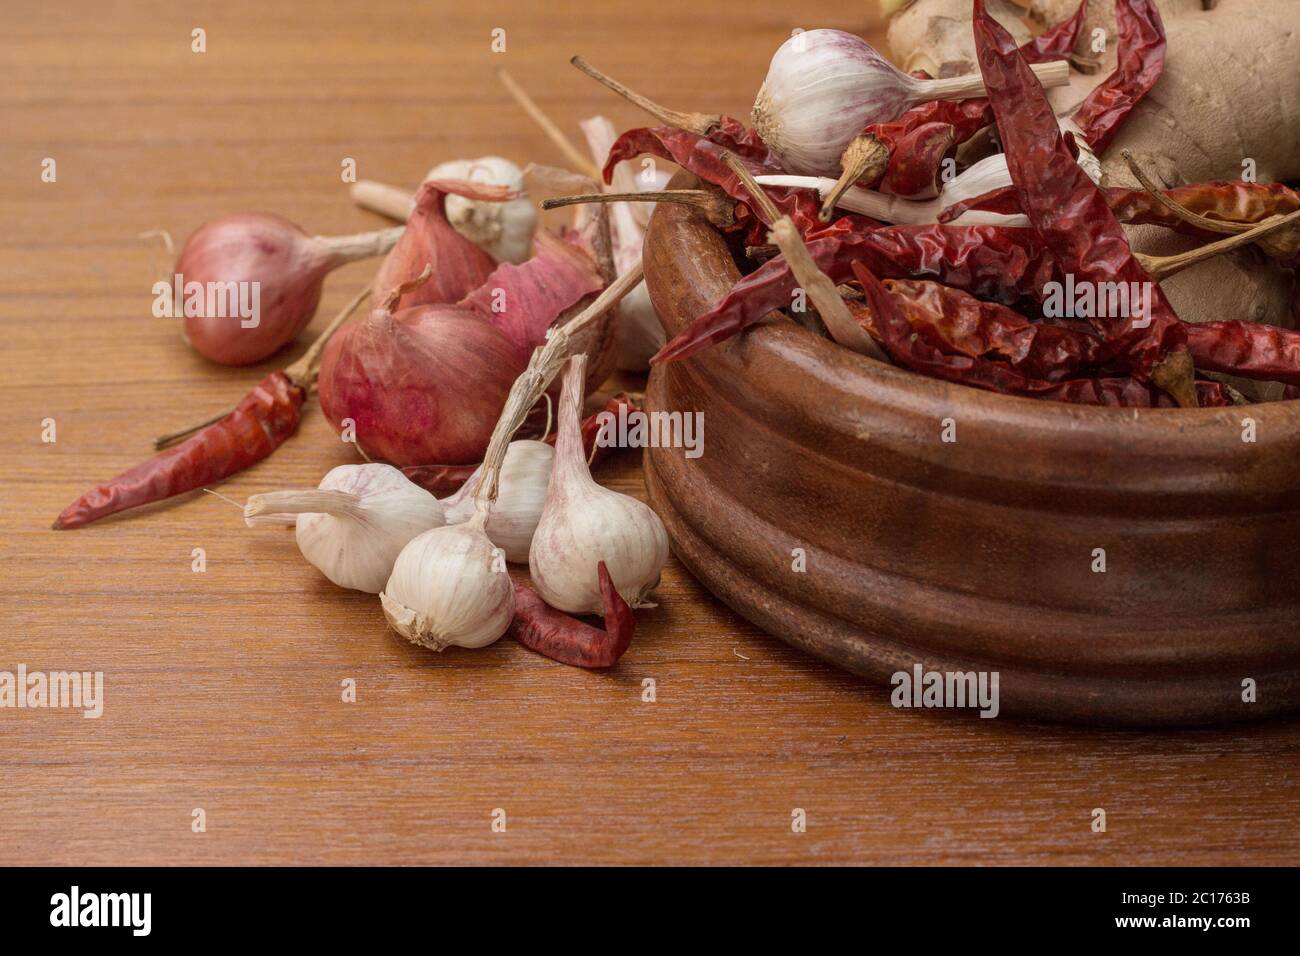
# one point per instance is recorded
(824, 87)
(521, 494)
(584, 524)
(503, 229)
(449, 588)
(354, 526)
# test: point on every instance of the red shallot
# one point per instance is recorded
(248, 283)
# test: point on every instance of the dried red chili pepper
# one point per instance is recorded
(267, 416)
(909, 333)
(1141, 61)
(556, 635)
(967, 326)
(703, 157)
(257, 426)
(442, 480)
(1068, 211)
(1007, 265)
(1248, 349)
(1229, 202)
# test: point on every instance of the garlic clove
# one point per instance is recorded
(583, 524)
(449, 587)
(353, 527)
(521, 495)
(502, 229)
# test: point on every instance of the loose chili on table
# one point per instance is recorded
(556, 635)
(267, 416)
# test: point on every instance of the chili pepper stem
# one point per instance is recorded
(1176, 375)
(1179, 210)
(553, 132)
(701, 124)
(1162, 267)
(864, 158)
(302, 372)
(825, 297)
(719, 211)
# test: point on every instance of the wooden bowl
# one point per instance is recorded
(979, 553)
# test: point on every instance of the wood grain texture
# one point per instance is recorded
(223, 688)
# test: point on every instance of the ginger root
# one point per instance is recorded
(1227, 105)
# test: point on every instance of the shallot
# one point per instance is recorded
(426, 384)
(248, 283)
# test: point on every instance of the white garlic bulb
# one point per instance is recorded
(823, 87)
(354, 525)
(450, 587)
(584, 524)
(521, 494)
(503, 229)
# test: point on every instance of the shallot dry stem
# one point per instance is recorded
(720, 211)
(553, 132)
(701, 124)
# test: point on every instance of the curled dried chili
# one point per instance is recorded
(556, 635)
(1141, 60)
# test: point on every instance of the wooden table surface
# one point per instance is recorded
(223, 688)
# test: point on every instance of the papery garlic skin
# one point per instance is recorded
(367, 515)
(521, 495)
(584, 524)
(502, 229)
(822, 88)
(449, 588)
(638, 333)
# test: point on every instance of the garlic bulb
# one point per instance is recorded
(824, 87)
(450, 587)
(503, 229)
(584, 524)
(521, 493)
(355, 524)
